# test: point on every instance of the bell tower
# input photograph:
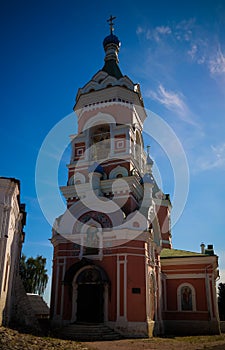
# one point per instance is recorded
(107, 243)
(109, 142)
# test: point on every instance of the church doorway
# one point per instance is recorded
(90, 303)
(90, 297)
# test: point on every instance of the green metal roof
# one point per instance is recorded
(176, 253)
(112, 68)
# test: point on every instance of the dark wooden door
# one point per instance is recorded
(90, 303)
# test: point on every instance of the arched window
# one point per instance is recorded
(100, 136)
(118, 172)
(91, 234)
(186, 297)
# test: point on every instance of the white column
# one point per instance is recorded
(208, 295)
(118, 289)
(56, 289)
(147, 284)
(59, 289)
(125, 287)
(62, 291)
(112, 141)
(122, 318)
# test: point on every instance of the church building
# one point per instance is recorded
(113, 260)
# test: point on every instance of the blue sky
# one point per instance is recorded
(174, 49)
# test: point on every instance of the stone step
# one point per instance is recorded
(88, 332)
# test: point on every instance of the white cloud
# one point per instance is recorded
(139, 30)
(209, 53)
(155, 34)
(193, 51)
(217, 62)
(201, 47)
(173, 101)
(149, 34)
(201, 60)
(183, 30)
(215, 158)
(163, 30)
(170, 99)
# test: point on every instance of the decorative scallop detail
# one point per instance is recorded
(78, 178)
(117, 172)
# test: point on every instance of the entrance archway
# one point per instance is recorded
(90, 295)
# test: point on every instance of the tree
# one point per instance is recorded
(34, 274)
(221, 301)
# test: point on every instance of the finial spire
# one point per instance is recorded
(149, 161)
(111, 24)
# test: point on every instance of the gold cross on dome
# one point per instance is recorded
(111, 24)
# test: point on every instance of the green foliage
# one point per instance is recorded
(221, 301)
(34, 274)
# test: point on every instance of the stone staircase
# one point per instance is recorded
(88, 332)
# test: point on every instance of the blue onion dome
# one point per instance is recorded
(96, 168)
(111, 39)
(148, 178)
(149, 160)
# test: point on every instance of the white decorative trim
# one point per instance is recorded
(111, 248)
(196, 311)
(214, 298)
(208, 294)
(99, 76)
(58, 288)
(122, 319)
(125, 287)
(98, 119)
(115, 95)
(184, 275)
(118, 289)
(101, 80)
(96, 257)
